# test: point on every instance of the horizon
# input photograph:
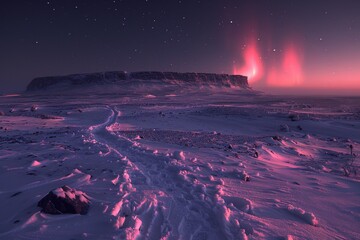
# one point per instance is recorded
(301, 91)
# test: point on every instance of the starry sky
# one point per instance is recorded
(284, 46)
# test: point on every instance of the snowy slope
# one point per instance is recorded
(229, 164)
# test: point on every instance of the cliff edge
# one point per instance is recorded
(122, 78)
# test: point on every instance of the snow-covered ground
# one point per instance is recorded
(210, 165)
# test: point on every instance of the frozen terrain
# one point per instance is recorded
(225, 163)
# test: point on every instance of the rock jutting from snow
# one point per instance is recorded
(119, 77)
(284, 128)
(294, 117)
(65, 200)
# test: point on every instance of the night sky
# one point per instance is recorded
(283, 46)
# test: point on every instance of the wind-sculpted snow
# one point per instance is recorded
(210, 166)
(138, 79)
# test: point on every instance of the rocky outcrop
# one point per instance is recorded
(65, 200)
(120, 77)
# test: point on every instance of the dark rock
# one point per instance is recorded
(276, 138)
(244, 176)
(294, 117)
(65, 200)
(44, 116)
(284, 128)
(15, 194)
(33, 108)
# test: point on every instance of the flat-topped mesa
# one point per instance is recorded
(236, 80)
(119, 77)
(43, 83)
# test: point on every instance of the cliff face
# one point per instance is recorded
(121, 77)
(43, 83)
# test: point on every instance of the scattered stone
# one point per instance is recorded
(33, 108)
(44, 116)
(276, 138)
(179, 155)
(244, 176)
(294, 117)
(15, 194)
(284, 128)
(288, 237)
(35, 164)
(65, 200)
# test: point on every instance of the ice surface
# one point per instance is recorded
(176, 165)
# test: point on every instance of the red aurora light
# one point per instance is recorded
(285, 68)
(253, 68)
(290, 73)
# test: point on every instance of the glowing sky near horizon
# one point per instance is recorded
(281, 45)
(288, 69)
(288, 72)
